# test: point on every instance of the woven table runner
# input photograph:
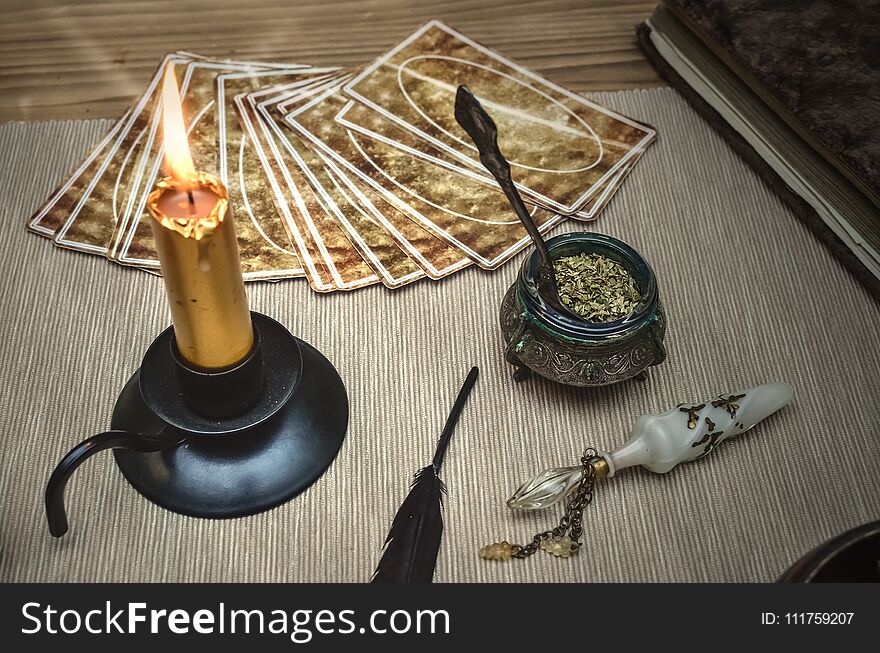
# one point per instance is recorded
(751, 296)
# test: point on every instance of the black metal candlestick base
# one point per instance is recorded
(221, 444)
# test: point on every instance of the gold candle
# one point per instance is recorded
(195, 240)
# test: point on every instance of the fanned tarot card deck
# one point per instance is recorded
(354, 177)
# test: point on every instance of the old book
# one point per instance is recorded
(796, 89)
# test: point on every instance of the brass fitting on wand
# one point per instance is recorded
(600, 467)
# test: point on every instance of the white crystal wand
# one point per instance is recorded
(657, 442)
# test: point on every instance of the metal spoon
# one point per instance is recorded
(470, 114)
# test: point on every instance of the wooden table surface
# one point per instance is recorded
(89, 58)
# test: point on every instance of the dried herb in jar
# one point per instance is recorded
(595, 287)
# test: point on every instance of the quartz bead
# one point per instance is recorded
(561, 547)
(498, 551)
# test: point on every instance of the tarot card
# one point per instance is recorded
(262, 256)
(472, 215)
(99, 210)
(376, 247)
(290, 205)
(58, 208)
(374, 243)
(562, 147)
(250, 197)
(85, 211)
(436, 257)
(371, 123)
(369, 238)
(330, 260)
(54, 211)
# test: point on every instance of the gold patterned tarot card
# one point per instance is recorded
(433, 255)
(250, 198)
(561, 146)
(471, 214)
(330, 260)
(55, 210)
(262, 256)
(374, 125)
(599, 202)
(441, 260)
(88, 208)
(66, 203)
(287, 203)
(375, 244)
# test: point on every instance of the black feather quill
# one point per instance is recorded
(414, 539)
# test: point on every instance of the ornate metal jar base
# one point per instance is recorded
(579, 353)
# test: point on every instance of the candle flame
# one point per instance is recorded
(178, 160)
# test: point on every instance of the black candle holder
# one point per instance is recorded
(220, 444)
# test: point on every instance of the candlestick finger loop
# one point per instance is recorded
(116, 439)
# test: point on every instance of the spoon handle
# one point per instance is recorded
(481, 128)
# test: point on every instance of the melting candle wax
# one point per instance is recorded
(198, 251)
(176, 204)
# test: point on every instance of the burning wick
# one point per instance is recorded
(178, 160)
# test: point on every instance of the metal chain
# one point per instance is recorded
(571, 522)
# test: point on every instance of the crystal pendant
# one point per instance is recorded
(546, 489)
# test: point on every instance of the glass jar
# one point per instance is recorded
(576, 352)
